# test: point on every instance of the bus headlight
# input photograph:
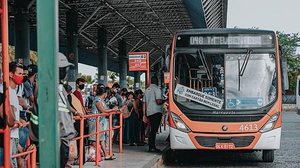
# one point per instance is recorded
(270, 124)
(179, 123)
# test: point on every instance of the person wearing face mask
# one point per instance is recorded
(15, 79)
(79, 87)
(24, 107)
(67, 130)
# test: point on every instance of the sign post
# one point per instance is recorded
(139, 61)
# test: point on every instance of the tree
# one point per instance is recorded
(113, 76)
(130, 82)
(87, 78)
(289, 43)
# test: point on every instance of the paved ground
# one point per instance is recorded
(287, 157)
(134, 156)
(138, 157)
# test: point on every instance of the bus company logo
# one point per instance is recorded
(224, 112)
(224, 128)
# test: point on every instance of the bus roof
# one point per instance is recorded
(223, 31)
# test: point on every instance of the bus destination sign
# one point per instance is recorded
(226, 40)
(222, 40)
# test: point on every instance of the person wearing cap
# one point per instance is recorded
(67, 130)
(30, 97)
(30, 86)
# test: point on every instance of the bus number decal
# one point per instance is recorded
(248, 127)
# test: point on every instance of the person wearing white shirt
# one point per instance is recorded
(15, 79)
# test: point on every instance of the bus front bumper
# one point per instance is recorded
(260, 141)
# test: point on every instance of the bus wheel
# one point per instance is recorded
(268, 155)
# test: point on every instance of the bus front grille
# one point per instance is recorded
(221, 118)
(242, 141)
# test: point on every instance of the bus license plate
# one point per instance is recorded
(224, 146)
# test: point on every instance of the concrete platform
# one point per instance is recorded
(134, 156)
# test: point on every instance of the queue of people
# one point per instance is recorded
(138, 111)
(22, 113)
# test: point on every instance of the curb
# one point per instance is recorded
(153, 162)
(289, 107)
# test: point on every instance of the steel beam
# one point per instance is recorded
(123, 35)
(138, 43)
(95, 44)
(88, 26)
(116, 35)
(156, 61)
(30, 4)
(89, 18)
(132, 24)
(169, 31)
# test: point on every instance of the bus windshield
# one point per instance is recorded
(227, 81)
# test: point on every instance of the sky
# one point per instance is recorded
(87, 70)
(277, 15)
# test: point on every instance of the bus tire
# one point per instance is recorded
(268, 155)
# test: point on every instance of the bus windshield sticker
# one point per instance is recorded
(198, 96)
(244, 102)
(210, 90)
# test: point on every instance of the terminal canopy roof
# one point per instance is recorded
(146, 25)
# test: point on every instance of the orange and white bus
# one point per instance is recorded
(226, 91)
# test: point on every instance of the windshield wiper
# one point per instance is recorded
(243, 68)
(201, 55)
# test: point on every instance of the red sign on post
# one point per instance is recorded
(167, 77)
(138, 61)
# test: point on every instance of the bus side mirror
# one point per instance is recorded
(167, 57)
(284, 74)
(284, 71)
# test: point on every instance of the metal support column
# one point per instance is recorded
(137, 80)
(47, 33)
(5, 71)
(22, 31)
(102, 56)
(72, 43)
(123, 63)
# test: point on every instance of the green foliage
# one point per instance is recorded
(112, 76)
(289, 43)
(143, 85)
(87, 78)
(130, 82)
